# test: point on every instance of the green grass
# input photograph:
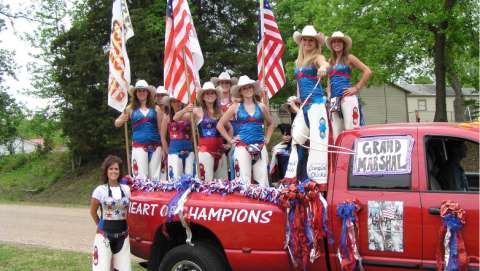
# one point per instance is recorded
(46, 178)
(26, 258)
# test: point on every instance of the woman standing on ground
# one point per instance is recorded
(111, 249)
(345, 111)
(180, 149)
(312, 122)
(146, 119)
(211, 147)
(250, 143)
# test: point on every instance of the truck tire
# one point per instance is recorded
(201, 257)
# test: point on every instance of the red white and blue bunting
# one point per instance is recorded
(451, 253)
(348, 253)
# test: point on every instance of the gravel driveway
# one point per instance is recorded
(54, 227)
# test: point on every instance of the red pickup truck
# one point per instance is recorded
(399, 175)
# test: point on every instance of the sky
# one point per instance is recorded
(11, 39)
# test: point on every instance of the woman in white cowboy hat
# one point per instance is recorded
(211, 150)
(311, 123)
(345, 111)
(250, 143)
(225, 83)
(180, 148)
(146, 119)
(159, 94)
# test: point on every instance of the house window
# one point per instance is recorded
(422, 105)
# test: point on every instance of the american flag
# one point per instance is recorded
(180, 34)
(389, 212)
(272, 51)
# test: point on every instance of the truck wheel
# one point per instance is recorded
(201, 257)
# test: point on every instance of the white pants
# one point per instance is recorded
(351, 116)
(317, 164)
(176, 166)
(104, 260)
(243, 166)
(206, 167)
(141, 167)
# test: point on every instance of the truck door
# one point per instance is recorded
(449, 170)
(387, 190)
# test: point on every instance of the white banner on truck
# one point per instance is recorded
(383, 155)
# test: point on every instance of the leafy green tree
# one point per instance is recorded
(10, 117)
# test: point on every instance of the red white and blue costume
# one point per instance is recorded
(111, 250)
(211, 155)
(348, 114)
(310, 124)
(250, 152)
(180, 150)
(146, 149)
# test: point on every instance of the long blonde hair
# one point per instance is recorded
(302, 61)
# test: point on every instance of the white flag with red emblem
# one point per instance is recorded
(119, 65)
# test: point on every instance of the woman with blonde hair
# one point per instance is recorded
(345, 112)
(146, 119)
(212, 162)
(250, 143)
(311, 123)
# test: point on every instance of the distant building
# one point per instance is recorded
(22, 146)
(391, 103)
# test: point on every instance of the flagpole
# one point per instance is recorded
(127, 150)
(265, 98)
(192, 123)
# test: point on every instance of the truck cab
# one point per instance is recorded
(399, 194)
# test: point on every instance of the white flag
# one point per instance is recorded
(119, 65)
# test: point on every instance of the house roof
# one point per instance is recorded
(429, 90)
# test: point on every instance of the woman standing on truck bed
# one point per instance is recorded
(111, 249)
(211, 153)
(250, 143)
(345, 110)
(146, 119)
(312, 122)
(180, 150)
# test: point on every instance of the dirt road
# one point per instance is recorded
(54, 227)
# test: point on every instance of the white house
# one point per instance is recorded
(390, 103)
(22, 146)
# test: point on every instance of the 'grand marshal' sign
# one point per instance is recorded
(383, 155)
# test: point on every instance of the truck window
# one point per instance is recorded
(452, 164)
(381, 162)
(376, 182)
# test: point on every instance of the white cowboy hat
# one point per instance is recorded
(245, 81)
(309, 31)
(207, 86)
(224, 76)
(141, 84)
(161, 90)
(337, 35)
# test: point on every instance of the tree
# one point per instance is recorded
(10, 117)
